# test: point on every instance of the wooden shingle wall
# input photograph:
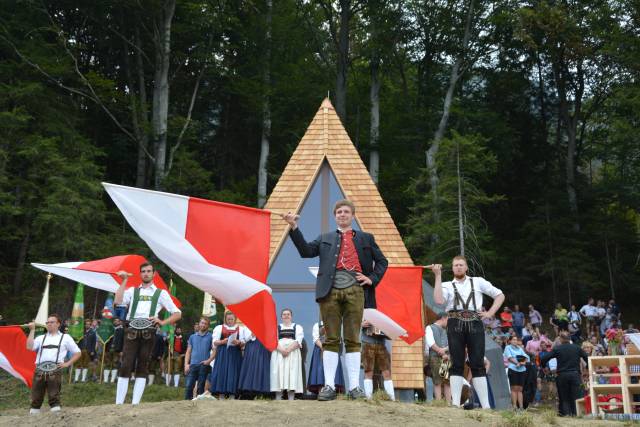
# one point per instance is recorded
(327, 139)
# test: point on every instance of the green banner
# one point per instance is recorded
(170, 329)
(105, 330)
(76, 328)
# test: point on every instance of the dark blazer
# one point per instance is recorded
(327, 247)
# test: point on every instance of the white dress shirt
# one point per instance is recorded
(480, 286)
(142, 310)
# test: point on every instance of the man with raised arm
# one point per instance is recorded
(462, 298)
(145, 302)
(51, 349)
(351, 266)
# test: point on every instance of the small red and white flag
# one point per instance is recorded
(101, 273)
(219, 248)
(399, 304)
(14, 356)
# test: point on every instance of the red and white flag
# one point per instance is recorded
(399, 304)
(101, 273)
(219, 248)
(14, 356)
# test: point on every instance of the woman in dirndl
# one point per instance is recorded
(228, 342)
(316, 371)
(256, 364)
(286, 359)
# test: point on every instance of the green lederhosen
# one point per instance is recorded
(138, 343)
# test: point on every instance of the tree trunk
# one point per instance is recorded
(460, 220)
(22, 256)
(266, 112)
(161, 88)
(142, 172)
(374, 97)
(136, 106)
(606, 249)
(570, 122)
(551, 255)
(444, 119)
(374, 94)
(343, 60)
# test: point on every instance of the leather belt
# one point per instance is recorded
(465, 315)
(47, 367)
(141, 324)
(344, 279)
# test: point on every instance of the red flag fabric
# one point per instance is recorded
(101, 273)
(14, 356)
(399, 304)
(219, 248)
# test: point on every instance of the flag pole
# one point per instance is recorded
(104, 351)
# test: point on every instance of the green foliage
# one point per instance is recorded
(65, 64)
(438, 239)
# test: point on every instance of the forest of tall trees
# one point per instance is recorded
(506, 129)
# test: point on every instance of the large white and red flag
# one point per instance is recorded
(101, 273)
(219, 248)
(399, 304)
(14, 356)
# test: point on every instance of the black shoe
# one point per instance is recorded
(357, 393)
(468, 405)
(327, 393)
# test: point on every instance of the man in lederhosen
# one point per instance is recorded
(463, 299)
(351, 266)
(51, 349)
(145, 302)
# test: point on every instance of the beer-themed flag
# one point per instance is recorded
(217, 247)
(101, 273)
(105, 330)
(14, 356)
(76, 327)
(399, 304)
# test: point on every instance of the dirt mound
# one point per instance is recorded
(272, 413)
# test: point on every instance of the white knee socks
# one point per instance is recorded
(291, 394)
(138, 389)
(329, 366)
(176, 380)
(77, 375)
(85, 371)
(388, 387)
(481, 389)
(456, 389)
(105, 374)
(278, 395)
(167, 379)
(151, 378)
(121, 389)
(114, 375)
(352, 361)
(368, 388)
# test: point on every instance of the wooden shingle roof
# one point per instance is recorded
(326, 139)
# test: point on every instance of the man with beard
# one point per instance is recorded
(145, 302)
(463, 299)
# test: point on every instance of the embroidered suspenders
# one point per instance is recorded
(48, 367)
(458, 299)
(154, 302)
